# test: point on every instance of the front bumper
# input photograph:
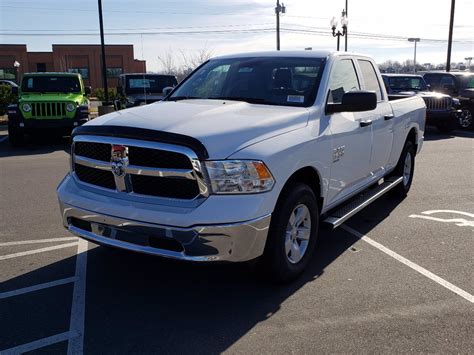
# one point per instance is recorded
(434, 117)
(225, 242)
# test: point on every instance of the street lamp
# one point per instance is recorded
(416, 40)
(468, 62)
(279, 9)
(338, 34)
(16, 65)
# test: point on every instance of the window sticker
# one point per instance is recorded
(295, 98)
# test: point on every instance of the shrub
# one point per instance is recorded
(100, 94)
(6, 98)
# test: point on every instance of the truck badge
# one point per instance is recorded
(119, 159)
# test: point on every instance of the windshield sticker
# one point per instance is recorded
(295, 98)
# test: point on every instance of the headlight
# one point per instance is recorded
(26, 107)
(70, 107)
(239, 176)
(456, 102)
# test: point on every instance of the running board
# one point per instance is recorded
(339, 216)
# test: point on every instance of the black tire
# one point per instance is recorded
(466, 121)
(16, 136)
(401, 190)
(276, 262)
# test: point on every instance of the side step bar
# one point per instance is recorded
(339, 216)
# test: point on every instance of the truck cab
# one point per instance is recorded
(48, 102)
(141, 89)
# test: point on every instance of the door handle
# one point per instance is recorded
(365, 123)
(388, 117)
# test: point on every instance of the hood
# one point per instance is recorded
(224, 127)
(48, 97)
(421, 93)
(469, 93)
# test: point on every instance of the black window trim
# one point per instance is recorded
(382, 98)
(330, 74)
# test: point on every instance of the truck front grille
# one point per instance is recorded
(134, 167)
(437, 103)
(48, 109)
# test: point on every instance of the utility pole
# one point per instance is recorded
(346, 11)
(450, 39)
(104, 65)
(279, 8)
(416, 40)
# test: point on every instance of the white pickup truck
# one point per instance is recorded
(244, 160)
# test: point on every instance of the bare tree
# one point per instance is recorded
(188, 61)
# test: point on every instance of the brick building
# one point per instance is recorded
(85, 59)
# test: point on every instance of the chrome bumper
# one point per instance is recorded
(227, 242)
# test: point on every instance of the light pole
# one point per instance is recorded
(104, 65)
(346, 13)
(338, 34)
(416, 40)
(450, 38)
(279, 9)
(16, 65)
(468, 62)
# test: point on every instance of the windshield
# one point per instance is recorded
(407, 83)
(260, 80)
(51, 83)
(146, 83)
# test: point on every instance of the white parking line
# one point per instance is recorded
(37, 241)
(78, 308)
(36, 251)
(411, 264)
(38, 287)
(20, 349)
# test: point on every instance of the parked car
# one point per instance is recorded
(6, 95)
(142, 89)
(54, 102)
(244, 160)
(441, 109)
(459, 85)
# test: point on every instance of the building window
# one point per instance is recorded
(114, 72)
(83, 71)
(7, 73)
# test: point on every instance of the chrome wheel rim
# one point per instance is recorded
(465, 118)
(298, 232)
(407, 169)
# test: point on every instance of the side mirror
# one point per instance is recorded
(167, 90)
(354, 101)
(88, 90)
(15, 90)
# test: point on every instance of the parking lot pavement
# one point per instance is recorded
(398, 289)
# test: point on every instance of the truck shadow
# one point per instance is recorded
(432, 134)
(141, 304)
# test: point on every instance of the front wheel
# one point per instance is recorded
(406, 169)
(293, 234)
(465, 119)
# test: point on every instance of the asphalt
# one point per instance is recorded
(354, 298)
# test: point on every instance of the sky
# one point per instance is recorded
(158, 27)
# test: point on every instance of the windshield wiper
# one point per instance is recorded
(250, 100)
(179, 98)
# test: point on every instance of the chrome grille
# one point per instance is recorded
(48, 109)
(138, 167)
(438, 103)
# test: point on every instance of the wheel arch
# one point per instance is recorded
(309, 176)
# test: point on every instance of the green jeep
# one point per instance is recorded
(55, 102)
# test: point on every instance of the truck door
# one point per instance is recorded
(382, 120)
(351, 135)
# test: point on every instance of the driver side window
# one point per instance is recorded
(343, 79)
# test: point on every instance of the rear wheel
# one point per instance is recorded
(16, 136)
(293, 234)
(406, 169)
